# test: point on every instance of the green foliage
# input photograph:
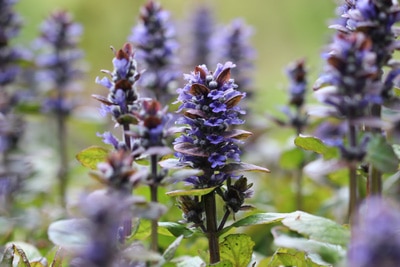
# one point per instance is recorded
(292, 159)
(191, 192)
(289, 257)
(92, 156)
(314, 144)
(237, 249)
(382, 155)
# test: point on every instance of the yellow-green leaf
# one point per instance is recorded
(92, 156)
(237, 249)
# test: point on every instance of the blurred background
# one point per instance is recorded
(284, 31)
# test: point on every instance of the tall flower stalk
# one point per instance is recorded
(351, 71)
(209, 102)
(154, 40)
(59, 39)
(375, 19)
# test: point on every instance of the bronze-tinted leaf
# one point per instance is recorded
(198, 89)
(152, 122)
(190, 149)
(224, 76)
(335, 61)
(102, 99)
(238, 134)
(194, 113)
(233, 101)
(203, 74)
(238, 167)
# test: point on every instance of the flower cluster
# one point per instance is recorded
(376, 20)
(375, 237)
(122, 97)
(210, 104)
(154, 39)
(59, 38)
(10, 24)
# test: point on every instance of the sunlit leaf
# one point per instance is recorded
(172, 163)
(314, 144)
(176, 229)
(70, 234)
(315, 249)
(92, 156)
(289, 257)
(169, 253)
(292, 159)
(256, 219)
(191, 192)
(222, 263)
(317, 228)
(21, 257)
(8, 257)
(238, 167)
(381, 155)
(237, 249)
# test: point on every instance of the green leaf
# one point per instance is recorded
(70, 234)
(92, 156)
(317, 228)
(21, 256)
(237, 249)
(292, 159)
(314, 144)
(320, 253)
(381, 155)
(26, 251)
(192, 192)
(169, 253)
(176, 229)
(238, 167)
(144, 230)
(289, 257)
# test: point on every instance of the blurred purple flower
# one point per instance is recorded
(232, 43)
(154, 38)
(10, 24)
(59, 39)
(375, 237)
(208, 143)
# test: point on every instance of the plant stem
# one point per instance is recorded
(62, 150)
(154, 198)
(374, 176)
(223, 221)
(127, 138)
(211, 223)
(353, 190)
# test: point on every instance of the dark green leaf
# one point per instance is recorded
(237, 249)
(255, 219)
(92, 156)
(314, 144)
(381, 155)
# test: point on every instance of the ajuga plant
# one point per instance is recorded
(13, 168)
(376, 19)
(156, 47)
(209, 104)
(297, 119)
(59, 65)
(144, 122)
(363, 45)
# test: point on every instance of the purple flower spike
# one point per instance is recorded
(209, 101)
(154, 38)
(59, 38)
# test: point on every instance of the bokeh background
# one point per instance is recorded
(284, 31)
